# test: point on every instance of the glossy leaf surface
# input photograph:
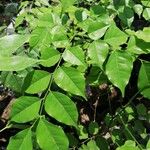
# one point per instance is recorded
(40, 37)
(10, 43)
(71, 80)
(49, 57)
(114, 36)
(97, 52)
(53, 137)
(16, 63)
(21, 141)
(25, 109)
(36, 81)
(144, 35)
(144, 79)
(123, 64)
(74, 55)
(57, 104)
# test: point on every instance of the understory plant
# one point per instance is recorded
(66, 54)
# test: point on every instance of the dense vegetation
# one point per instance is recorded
(77, 73)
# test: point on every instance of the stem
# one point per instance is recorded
(95, 108)
(126, 128)
(49, 86)
(6, 127)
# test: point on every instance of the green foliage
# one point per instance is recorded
(56, 138)
(22, 140)
(57, 104)
(58, 50)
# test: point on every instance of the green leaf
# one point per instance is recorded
(46, 20)
(40, 37)
(102, 12)
(102, 143)
(146, 3)
(146, 13)
(73, 141)
(16, 63)
(96, 30)
(138, 46)
(12, 81)
(74, 55)
(21, 141)
(97, 52)
(138, 9)
(129, 145)
(126, 15)
(25, 109)
(49, 57)
(44, 2)
(36, 81)
(82, 132)
(144, 79)
(71, 80)
(123, 64)
(141, 110)
(57, 104)
(66, 3)
(10, 43)
(114, 36)
(60, 40)
(91, 145)
(144, 35)
(80, 15)
(93, 128)
(53, 137)
(148, 145)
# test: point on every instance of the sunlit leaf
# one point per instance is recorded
(144, 35)
(57, 104)
(53, 137)
(123, 64)
(10, 43)
(114, 36)
(146, 13)
(16, 63)
(36, 81)
(40, 37)
(144, 79)
(49, 57)
(71, 80)
(66, 3)
(138, 46)
(21, 141)
(25, 109)
(74, 55)
(96, 30)
(97, 52)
